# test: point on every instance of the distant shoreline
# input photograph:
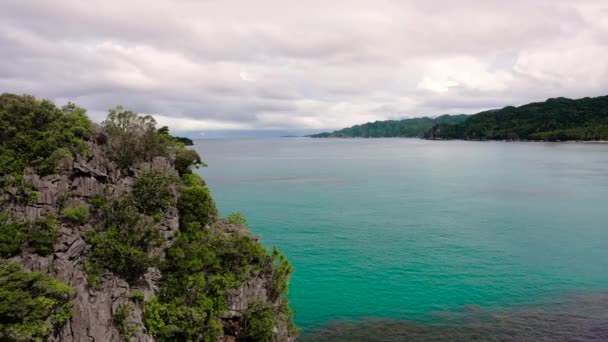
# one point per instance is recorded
(480, 140)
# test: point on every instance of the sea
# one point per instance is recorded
(415, 240)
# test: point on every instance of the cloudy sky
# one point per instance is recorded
(206, 65)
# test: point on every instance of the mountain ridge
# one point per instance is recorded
(406, 128)
(556, 119)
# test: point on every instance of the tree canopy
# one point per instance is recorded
(37, 133)
(552, 120)
(407, 128)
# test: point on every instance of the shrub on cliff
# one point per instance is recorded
(198, 271)
(37, 236)
(41, 235)
(192, 179)
(32, 304)
(133, 138)
(124, 242)
(32, 130)
(258, 323)
(186, 159)
(153, 191)
(196, 207)
(12, 235)
(79, 214)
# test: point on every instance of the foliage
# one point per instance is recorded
(137, 297)
(79, 214)
(192, 179)
(124, 243)
(552, 120)
(134, 138)
(32, 131)
(237, 218)
(32, 304)
(152, 192)
(39, 236)
(93, 272)
(390, 128)
(186, 159)
(121, 323)
(258, 323)
(281, 271)
(196, 207)
(12, 236)
(198, 270)
(125, 252)
(59, 156)
(22, 191)
(171, 322)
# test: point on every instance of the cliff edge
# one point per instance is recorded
(117, 215)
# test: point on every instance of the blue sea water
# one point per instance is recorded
(410, 229)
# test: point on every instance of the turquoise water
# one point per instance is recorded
(407, 228)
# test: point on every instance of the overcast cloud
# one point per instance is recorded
(202, 65)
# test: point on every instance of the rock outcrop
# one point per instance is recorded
(79, 181)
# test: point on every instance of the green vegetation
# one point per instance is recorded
(281, 271)
(124, 243)
(196, 207)
(259, 319)
(186, 159)
(192, 179)
(415, 127)
(78, 214)
(120, 321)
(237, 218)
(36, 133)
(36, 236)
(153, 193)
(12, 236)
(41, 235)
(133, 138)
(198, 270)
(22, 191)
(136, 297)
(32, 304)
(553, 120)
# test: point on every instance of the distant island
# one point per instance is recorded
(407, 128)
(556, 119)
(185, 141)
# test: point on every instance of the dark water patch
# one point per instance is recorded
(574, 318)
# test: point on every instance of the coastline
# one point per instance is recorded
(503, 140)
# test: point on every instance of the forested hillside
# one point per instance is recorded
(556, 119)
(407, 128)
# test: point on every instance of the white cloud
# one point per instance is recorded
(216, 65)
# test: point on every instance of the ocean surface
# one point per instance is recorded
(407, 238)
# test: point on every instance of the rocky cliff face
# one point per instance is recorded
(78, 182)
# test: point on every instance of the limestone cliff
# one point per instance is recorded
(79, 181)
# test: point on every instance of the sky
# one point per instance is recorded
(206, 66)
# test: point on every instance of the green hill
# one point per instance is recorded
(415, 127)
(557, 119)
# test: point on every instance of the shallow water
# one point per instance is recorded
(414, 230)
